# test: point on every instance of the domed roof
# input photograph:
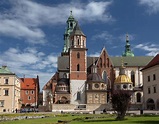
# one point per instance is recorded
(63, 81)
(94, 77)
(123, 79)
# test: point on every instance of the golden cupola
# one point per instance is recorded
(122, 78)
(123, 82)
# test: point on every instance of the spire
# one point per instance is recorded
(122, 68)
(77, 30)
(94, 67)
(71, 12)
(71, 22)
(128, 51)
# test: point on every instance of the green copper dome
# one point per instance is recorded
(71, 23)
(128, 51)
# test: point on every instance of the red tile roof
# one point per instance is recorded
(28, 83)
(153, 62)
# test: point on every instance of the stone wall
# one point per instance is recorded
(71, 107)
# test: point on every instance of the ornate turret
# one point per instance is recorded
(122, 82)
(77, 37)
(71, 22)
(128, 51)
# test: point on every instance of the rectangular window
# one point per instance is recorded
(78, 95)
(148, 78)
(154, 77)
(6, 92)
(154, 89)
(6, 81)
(1, 103)
(149, 91)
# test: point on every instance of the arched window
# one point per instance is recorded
(133, 77)
(78, 42)
(78, 55)
(72, 43)
(78, 95)
(104, 76)
(138, 97)
(71, 24)
(150, 104)
(83, 43)
(78, 67)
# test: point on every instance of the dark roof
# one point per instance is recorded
(153, 62)
(63, 81)
(77, 30)
(131, 61)
(63, 61)
(94, 77)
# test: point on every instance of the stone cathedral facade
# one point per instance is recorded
(85, 82)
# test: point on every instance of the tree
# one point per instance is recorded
(120, 102)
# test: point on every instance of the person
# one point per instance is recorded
(104, 110)
(16, 110)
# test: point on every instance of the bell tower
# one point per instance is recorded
(71, 22)
(78, 65)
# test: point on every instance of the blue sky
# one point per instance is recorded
(31, 31)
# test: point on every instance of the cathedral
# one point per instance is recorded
(86, 83)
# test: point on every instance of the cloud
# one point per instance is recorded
(105, 35)
(122, 37)
(96, 54)
(151, 49)
(30, 62)
(25, 18)
(152, 5)
(93, 11)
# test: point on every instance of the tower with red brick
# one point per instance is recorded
(77, 65)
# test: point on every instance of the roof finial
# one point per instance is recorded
(127, 37)
(71, 12)
(122, 62)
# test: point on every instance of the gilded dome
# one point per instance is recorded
(123, 79)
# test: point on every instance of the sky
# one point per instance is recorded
(31, 31)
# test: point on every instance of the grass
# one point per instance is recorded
(84, 119)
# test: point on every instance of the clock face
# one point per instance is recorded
(96, 85)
